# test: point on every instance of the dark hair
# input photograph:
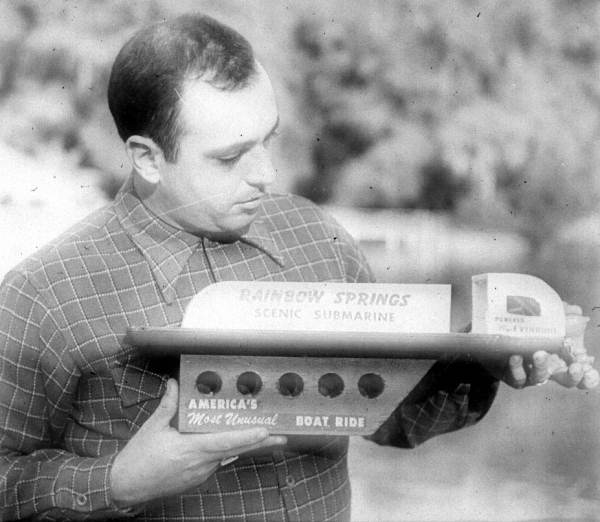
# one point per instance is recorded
(146, 79)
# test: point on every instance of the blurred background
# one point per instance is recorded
(450, 138)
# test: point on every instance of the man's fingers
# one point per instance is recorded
(578, 374)
(167, 407)
(231, 442)
(274, 440)
(540, 371)
(224, 458)
(556, 364)
(590, 379)
(570, 377)
(515, 372)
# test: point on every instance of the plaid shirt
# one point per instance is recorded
(72, 393)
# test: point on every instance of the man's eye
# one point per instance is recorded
(229, 160)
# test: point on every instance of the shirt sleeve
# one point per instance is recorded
(38, 478)
(454, 394)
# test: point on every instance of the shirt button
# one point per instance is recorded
(81, 499)
(290, 481)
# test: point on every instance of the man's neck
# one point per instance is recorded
(146, 193)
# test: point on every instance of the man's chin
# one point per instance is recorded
(231, 233)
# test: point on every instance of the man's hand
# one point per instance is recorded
(159, 461)
(545, 367)
(571, 368)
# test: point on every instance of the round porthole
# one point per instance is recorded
(290, 385)
(209, 383)
(249, 383)
(331, 385)
(370, 385)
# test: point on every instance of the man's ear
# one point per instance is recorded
(146, 157)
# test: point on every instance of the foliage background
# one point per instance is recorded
(476, 122)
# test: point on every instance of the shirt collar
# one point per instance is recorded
(259, 236)
(167, 249)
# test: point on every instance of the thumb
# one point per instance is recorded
(167, 407)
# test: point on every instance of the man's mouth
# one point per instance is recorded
(252, 199)
(251, 202)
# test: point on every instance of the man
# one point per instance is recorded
(85, 421)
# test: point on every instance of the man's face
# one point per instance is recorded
(223, 167)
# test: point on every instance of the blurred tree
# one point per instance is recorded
(484, 108)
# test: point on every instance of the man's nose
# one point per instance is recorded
(262, 172)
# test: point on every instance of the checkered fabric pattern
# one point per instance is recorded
(72, 392)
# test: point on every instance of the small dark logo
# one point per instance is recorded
(521, 305)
